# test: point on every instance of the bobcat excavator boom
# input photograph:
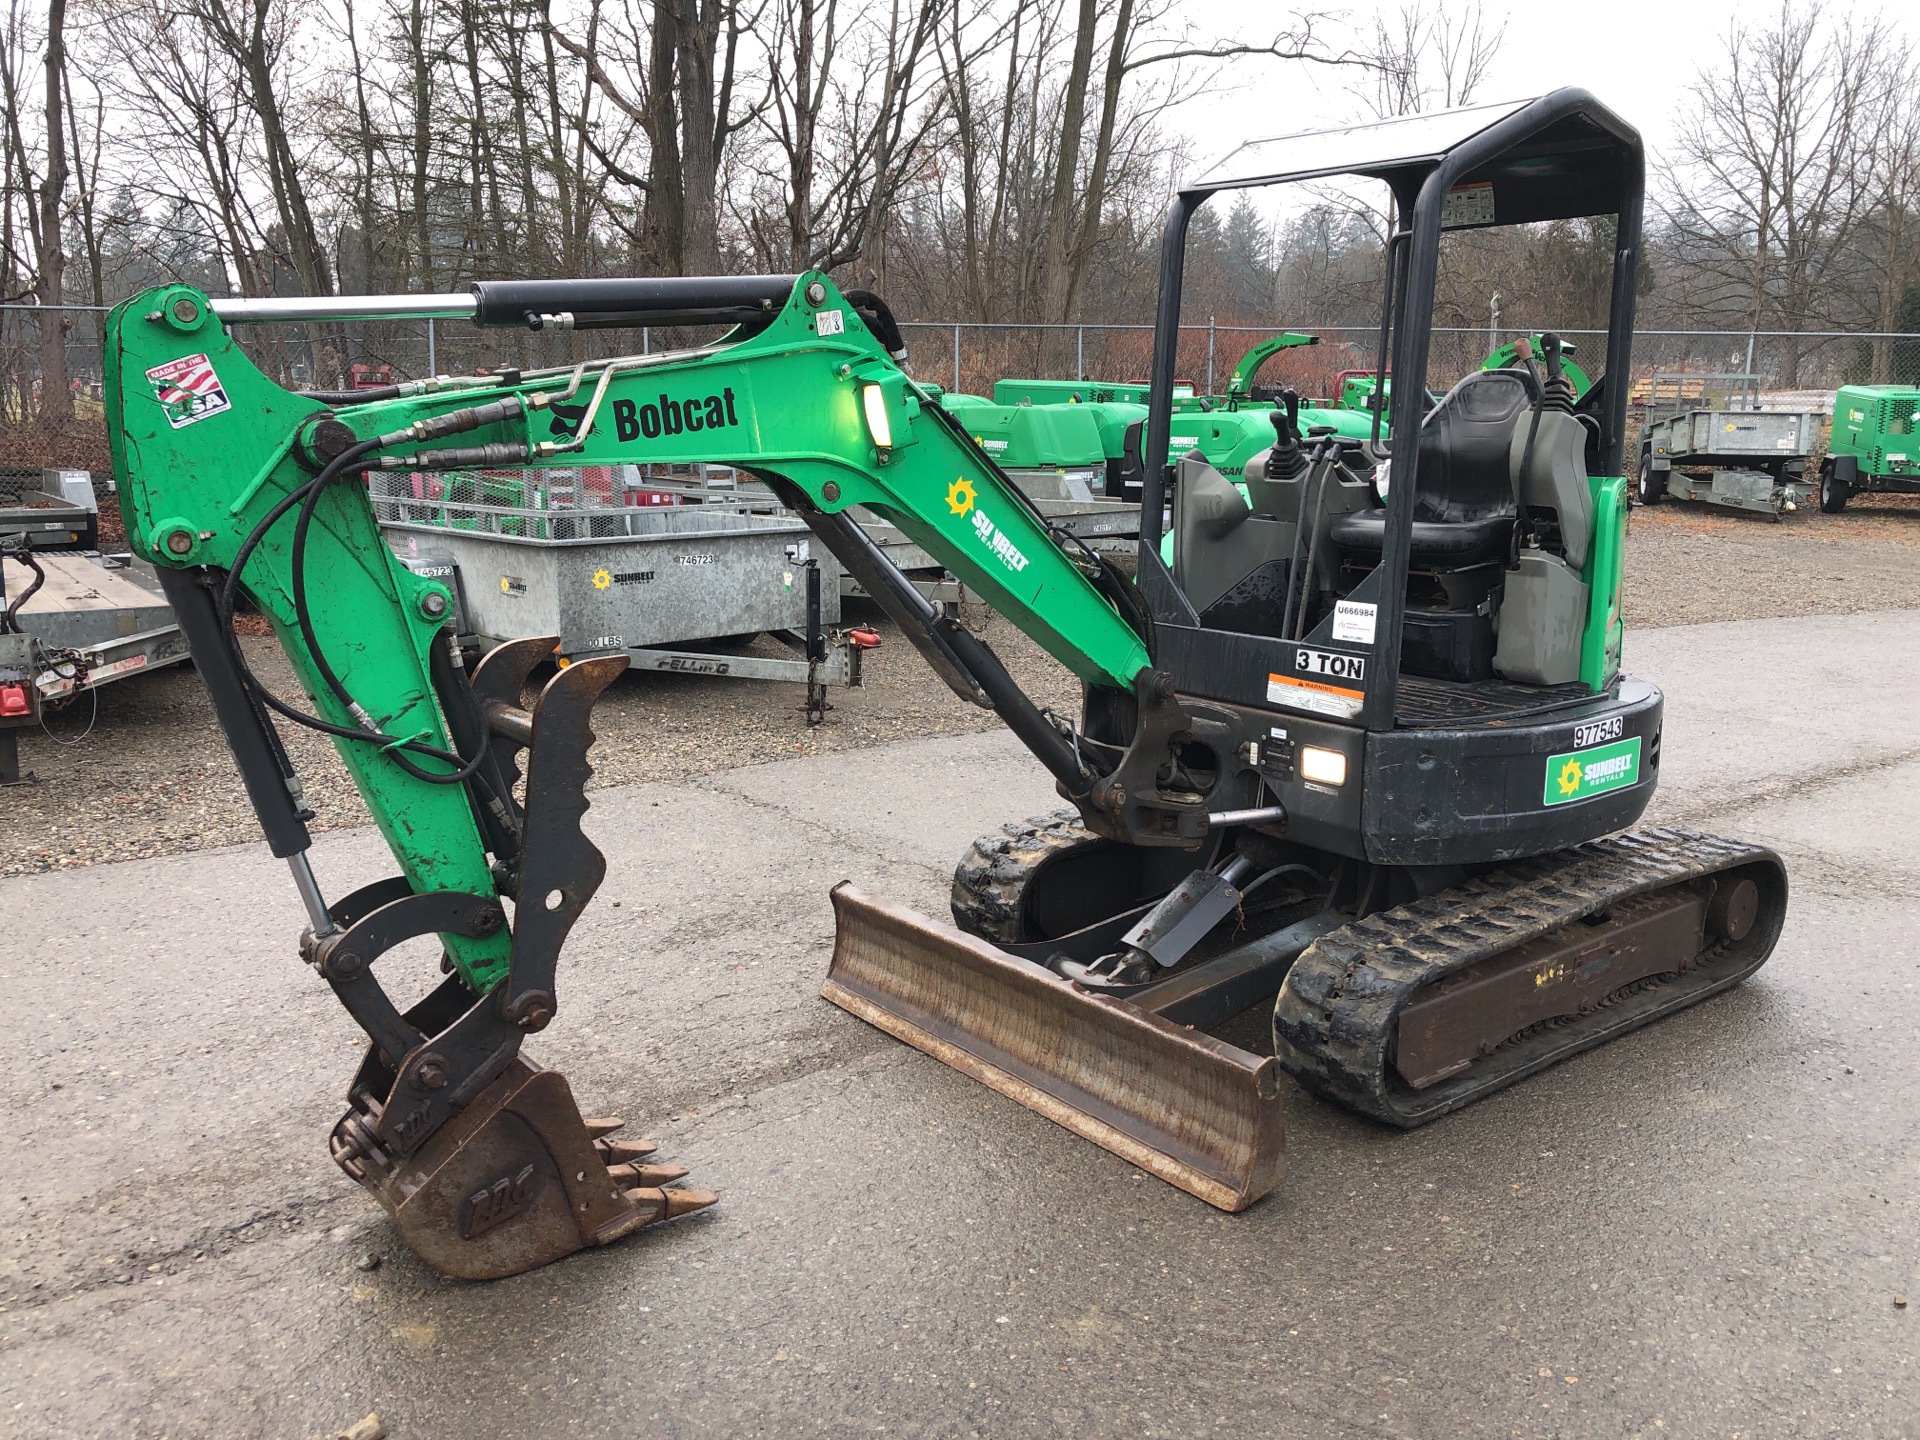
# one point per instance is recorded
(236, 487)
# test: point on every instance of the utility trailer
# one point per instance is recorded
(537, 552)
(71, 619)
(53, 509)
(1735, 454)
(73, 622)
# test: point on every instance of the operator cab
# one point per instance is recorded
(1460, 569)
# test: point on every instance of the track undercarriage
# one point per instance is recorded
(1402, 1013)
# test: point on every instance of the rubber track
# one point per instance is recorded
(990, 882)
(1334, 1022)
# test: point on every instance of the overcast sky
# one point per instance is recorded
(1638, 56)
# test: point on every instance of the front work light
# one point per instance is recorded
(874, 399)
(1322, 767)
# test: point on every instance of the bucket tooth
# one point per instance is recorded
(617, 1152)
(645, 1176)
(599, 1127)
(657, 1204)
(1182, 1105)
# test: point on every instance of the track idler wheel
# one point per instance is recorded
(515, 1181)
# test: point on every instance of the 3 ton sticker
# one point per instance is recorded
(1329, 691)
(188, 390)
(1329, 663)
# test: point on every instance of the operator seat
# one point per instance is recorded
(1463, 508)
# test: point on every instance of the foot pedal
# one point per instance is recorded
(514, 1181)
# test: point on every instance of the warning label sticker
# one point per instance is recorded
(1315, 695)
(1467, 205)
(188, 390)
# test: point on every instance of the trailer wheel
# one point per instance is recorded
(1652, 488)
(1834, 491)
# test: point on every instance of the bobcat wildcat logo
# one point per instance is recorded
(497, 1203)
(566, 420)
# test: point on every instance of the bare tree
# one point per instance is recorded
(1891, 238)
(844, 121)
(1771, 182)
(56, 400)
(1428, 58)
(676, 82)
(253, 37)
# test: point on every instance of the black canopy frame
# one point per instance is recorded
(1562, 155)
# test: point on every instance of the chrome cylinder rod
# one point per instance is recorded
(245, 310)
(1264, 815)
(310, 896)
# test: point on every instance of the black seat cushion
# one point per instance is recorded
(1438, 545)
(1463, 508)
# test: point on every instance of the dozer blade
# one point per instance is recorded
(1195, 1111)
(514, 1181)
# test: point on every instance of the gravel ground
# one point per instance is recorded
(153, 776)
(1688, 563)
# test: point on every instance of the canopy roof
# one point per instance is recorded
(1565, 157)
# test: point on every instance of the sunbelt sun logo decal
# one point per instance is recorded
(1581, 774)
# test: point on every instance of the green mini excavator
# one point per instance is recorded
(1363, 753)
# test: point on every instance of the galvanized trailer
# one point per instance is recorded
(562, 552)
(54, 509)
(89, 621)
(1735, 454)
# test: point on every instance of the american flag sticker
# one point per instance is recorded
(188, 390)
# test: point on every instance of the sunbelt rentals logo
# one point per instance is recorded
(1585, 773)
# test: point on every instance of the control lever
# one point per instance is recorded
(1285, 461)
(1558, 391)
(1523, 352)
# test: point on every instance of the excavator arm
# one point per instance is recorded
(238, 489)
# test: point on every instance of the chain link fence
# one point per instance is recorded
(962, 356)
(971, 357)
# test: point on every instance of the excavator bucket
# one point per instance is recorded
(515, 1181)
(1182, 1105)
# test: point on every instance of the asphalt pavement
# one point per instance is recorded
(1708, 1228)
